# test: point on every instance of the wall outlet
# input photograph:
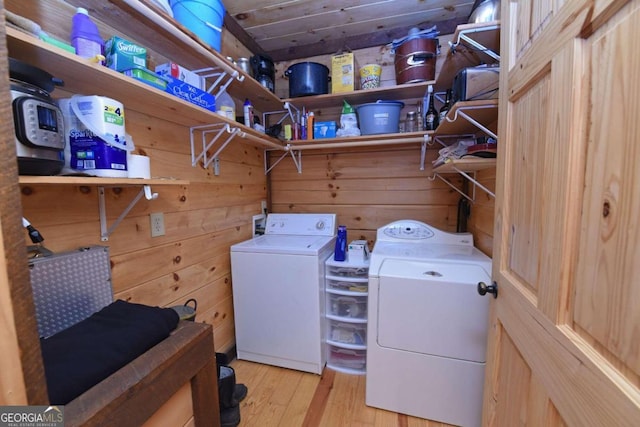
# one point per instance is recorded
(157, 224)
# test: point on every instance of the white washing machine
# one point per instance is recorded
(427, 324)
(278, 291)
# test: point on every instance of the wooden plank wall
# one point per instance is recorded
(202, 219)
(366, 187)
(371, 187)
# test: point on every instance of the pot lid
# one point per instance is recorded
(307, 63)
(414, 33)
(27, 73)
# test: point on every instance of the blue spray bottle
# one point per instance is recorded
(340, 253)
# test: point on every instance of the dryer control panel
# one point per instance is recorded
(419, 232)
(301, 224)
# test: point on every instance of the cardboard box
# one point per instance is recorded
(146, 76)
(190, 93)
(123, 55)
(343, 73)
(322, 130)
(179, 72)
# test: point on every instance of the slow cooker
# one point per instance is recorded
(38, 122)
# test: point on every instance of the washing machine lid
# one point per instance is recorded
(425, 252)
(432, 308)
(285, 244)
(415, 240)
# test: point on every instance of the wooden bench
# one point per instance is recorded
(136, 391)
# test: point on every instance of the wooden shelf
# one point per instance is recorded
(101, 183)
(83, 77)
(484, 112)
(144, 21)
(466, 164)
(389, 93)
(486, 34)
(472, 45)
(365, 140)
(92, 180)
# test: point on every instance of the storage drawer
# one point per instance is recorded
(350, 307)
(346, 285)
(345, 271)
(347, 358)
(352, 334)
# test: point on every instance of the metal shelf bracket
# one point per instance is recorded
(217, 132)
(465, 36)
(471, 179)
(222, 78)
(462, 113)
(423, 150)
(296, 156)
(106, 232)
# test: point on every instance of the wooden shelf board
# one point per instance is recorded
(387, 138)
(467, 56)
(483, 111)
(83, 77)
(92, 180)
(188, 51)
(400, 92)
(466, 164)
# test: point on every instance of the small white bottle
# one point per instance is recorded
(248, 113)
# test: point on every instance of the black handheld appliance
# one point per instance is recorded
(264, 71)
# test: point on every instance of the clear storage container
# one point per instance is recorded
(359, 286)
(344, 358)
(347, 271)
(350, 307)
(353, 335)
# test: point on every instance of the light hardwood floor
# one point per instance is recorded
(281, 397)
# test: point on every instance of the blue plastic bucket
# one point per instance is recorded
(202, 17)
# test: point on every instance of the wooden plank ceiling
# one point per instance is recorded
(292, 29)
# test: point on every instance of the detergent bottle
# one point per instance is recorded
(348, 122)
(340, 253)
(85, 37)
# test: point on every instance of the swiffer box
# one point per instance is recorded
(123, 55)
(179, 72)
(146, 76)
(343, 73)
(190, 93)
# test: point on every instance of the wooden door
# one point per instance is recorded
(564, 347)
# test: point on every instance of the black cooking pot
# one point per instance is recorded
(307, 78)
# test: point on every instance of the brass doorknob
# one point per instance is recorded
(484, 289)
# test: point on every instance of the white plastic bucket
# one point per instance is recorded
(95, 136)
